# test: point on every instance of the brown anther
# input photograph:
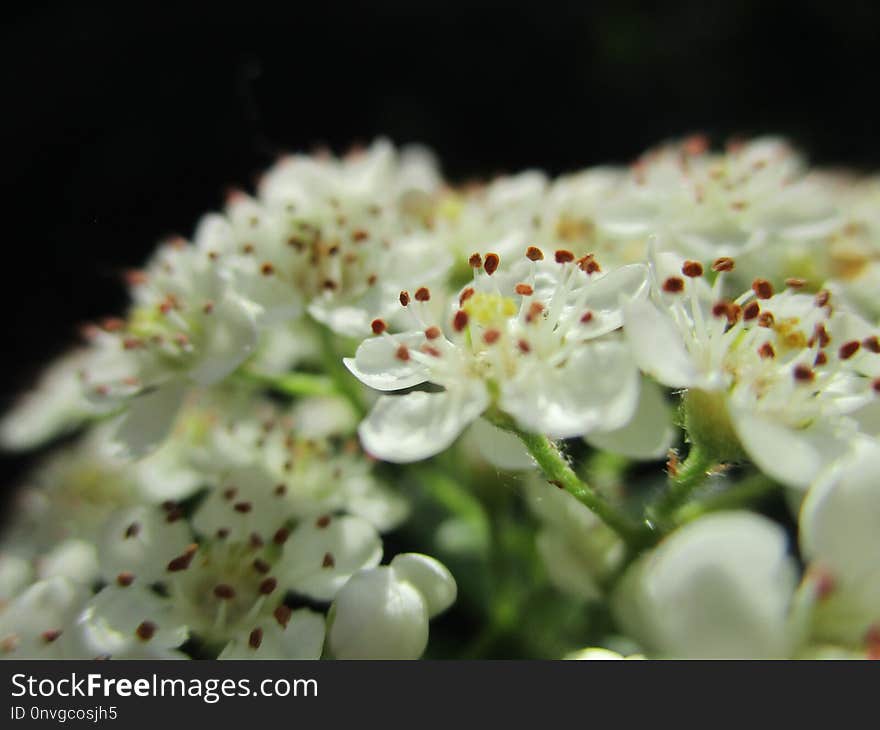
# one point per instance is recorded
(378, 326)
(132, 530)
(222, 533)
(533, 253)
(563, 256)
(423, 294)
(465, 295)
(248, 248)
(587, 317)
(323, 521)
(433, 332)
(359, 235)
(255, 541)
(766, 351)
(803, 373)
(280, 490)
(51, 635)
(261, 566)
(208, 307)
(724, 263)
(280, 536)
(224, 592)
(490, 265)
(372, 279)
(476, 261)
(243, 507)
(460, 320)
(255, 638)
(267, 269)
(182, 562)
(268, 585)
(763, 289)
(728, 309)
(673, 285)
(848, 349)
(820, 335)
(524, 346)
(751, 310)
(229, 493)
(330, 285)
(282, 615)
(875, 384)
(588, 264)
(872, 344)
(429, 350)
(490, 337)
(125, 579)
(146, 630)
(822, 298)
(692, 269)
(795, 283)
(766, 319)
(402, 353)
(328, 561)
(524, 290)
(535, 310)
(404, 298)
(821, 359)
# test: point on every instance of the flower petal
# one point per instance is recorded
(657, 345)
(376, 362)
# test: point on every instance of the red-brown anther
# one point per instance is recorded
(766, 351)
(673, 285)
(465, 295)
(751, 310)
(280, 490)
(372, 279)
(261, 566)
(322, 521)
(423, 294)
(255, 541)
(803, 373)
(821, 359)
(243, 507)
(848, 349)
(181, 562)
(588, 264)
(229, 493)
(766, 319)
(222, 533)
(763, 289)
(330, 285)
(871, 344)
(328, 561)
(524, 290)
(563, 256)
(255, 638)
(587, 317)
(208, 307)
(490, 337)
(224, 592)
(533, 253)
(248, 248)
(724, 263)
(820, 335)
(282, 615)
(476, 261)
(132, 530)
(146, 630)
(51, 635)
(460, 320)
(125, 579)
(535, 310)
(268, 585)
(730, 310)
(822, 298)
(402, 353)
(280, 536)
(378, 326)
(875, 384)
(429, 350)
(795, 283)
(524, 346)
(692, 269)
(433, 332)
(267, 269)
(404, 298)
(359, 235)
(490, 265)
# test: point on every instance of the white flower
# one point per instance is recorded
(537, 340)
(383, 613)
(839, 535)
(781, 376)
(595, 653)
(719, 587)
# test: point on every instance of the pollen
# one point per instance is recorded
(766, 351)
(751, 310)
(487, 309)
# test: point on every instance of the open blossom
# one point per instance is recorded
(783, 377)
(536, 340)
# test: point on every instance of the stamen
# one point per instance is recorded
(490, 265)
(587, 317)
(465, 295)
(182, 562)
(872, 344)
(423, 294)
(588, 264)
(261, 566)
(476, 261)
(692, 269)
(795, 283)
(432, 333)
(460, 320)
(132, 530)
(224, 592)
(724, 263)
(763, 289)
(146, 630)
(673, 285)
(255, 638)
(533, 253)
(125, 579)
(323, 521)
(803, 373)
(402, 353)
(751, 310)
(535, 310)
(378, 326)
(524, 290)
(563, 256)
(268, 585)
(524, 346)
(267, 269)
(328, 561)
(404, 298)
(821, 359)
(766, 319)
(282, 615)
(229, 493)
(243, 507)
(766, 351)
(848, 349)
(280, 536)
(822, 297)
(280, 490)
(51, 635)
(490, 337)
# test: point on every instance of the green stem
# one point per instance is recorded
(296, 384)
(750, 490)
(447, 492)
(689, 475)
(558, 471)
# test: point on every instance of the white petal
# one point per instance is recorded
(657, 345)
(73, 559)
(650, 432)
(377, 616)
(230, 341)
(430, 577)
(301, 638)
(318, 560)
(149, 418)
(376, 363)
(418, 425)
(604, 296)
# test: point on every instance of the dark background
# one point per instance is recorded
(120, 126)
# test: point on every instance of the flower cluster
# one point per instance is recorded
(360, 345)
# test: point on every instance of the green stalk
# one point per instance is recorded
(295, 384)
(689, 475)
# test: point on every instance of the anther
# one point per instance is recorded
(322, 521)
(146, 630)
(766, 319)
(848, 349)
(243, 507)
(404, 298)
(587, 317)
(402, 353)
(751, 310)
(724, 263)
(423, 294)
(125, 579)
(268, 585)
(795, 283)
(535, 310)
(692, 269)
(51, 635)
(872, 344)
(255, 638)
(821, 359)
(563, 256)
(673, 285)
(229, 493)
(476, 261)
(465, 295)
(460, 320)
(280, 536)
(803, 373)
(490, 265)
(224, 592)
(132, 530)
(822, 298)
(261, 566)
(588, 264)
(524, 346)
(282, 615)
(267, 269)
(763, 289)
(524, 290)
(432, 333)
(328, 561)
(378, 326)
(280, 490)
(490, 337)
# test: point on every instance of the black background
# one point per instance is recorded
(122, 123)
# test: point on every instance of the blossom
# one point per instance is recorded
(719, 587)
(537, 341)
(783, 377)
(383, 612)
